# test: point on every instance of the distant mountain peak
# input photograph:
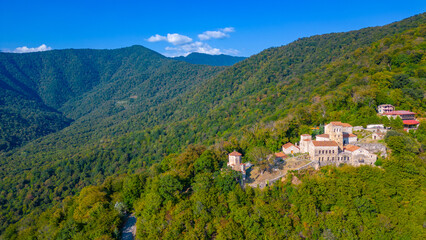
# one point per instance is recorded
(208, 59)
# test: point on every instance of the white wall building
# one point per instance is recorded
(289, 148)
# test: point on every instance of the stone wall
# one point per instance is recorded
(376, 148)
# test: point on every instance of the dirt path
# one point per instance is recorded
(129, 228)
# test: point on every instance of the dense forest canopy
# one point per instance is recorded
(137, 153)
(44, 92)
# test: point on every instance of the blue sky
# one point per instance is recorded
(232, 27)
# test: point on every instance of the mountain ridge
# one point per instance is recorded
(208, 59)
(262, 101)
(77, 82)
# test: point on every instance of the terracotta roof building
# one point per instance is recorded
(324, 143)
(280, 155)
(234, 161)
(336, 131)
(323, 151)
(410, 125)
(340, 124)
(404, 115)
(235, 153)
(350, 148)
(322, 137)
(289, 148)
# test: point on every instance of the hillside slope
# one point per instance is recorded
(70, 84)
(263, 101)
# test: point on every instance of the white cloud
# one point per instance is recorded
(212, 34)
(156, 38)
(177, 39)
(221, 33)
(183, 45)
(200, 47)
(228, 29)
(173, 38)
(26, 49)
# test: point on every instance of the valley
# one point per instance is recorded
(89, 135)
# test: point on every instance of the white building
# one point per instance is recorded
(337, 132)
(234, 160)
(375, 127)
(377, 135)
(289, 148)
(360, 156)
(304, 143)
(335, 147)
(322, 137)
(385, 108)
(349, 138)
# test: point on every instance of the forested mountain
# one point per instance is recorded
(259, 103)
(207, 59)
(42, 92)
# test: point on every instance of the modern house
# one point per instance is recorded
(410, 125)
(404, 115)
(385, 108)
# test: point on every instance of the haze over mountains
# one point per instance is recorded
(207, 59)
(73, 118)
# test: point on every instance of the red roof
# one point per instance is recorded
(340, 124)
(287, 145)
(235, 153)
(325, 143)
(306, 135)
(401, 112)
(410, 122)
(351, 148)
(280, 155)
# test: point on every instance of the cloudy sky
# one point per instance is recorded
(176, 28)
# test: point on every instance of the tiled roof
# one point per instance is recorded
(306, 135)
(235, 153)
(401, 112)
(324, 143)
(280, 154)
(323, 135)
(410, 122)
(351, 148)
(340, 124)
(348, 135)
(287, 145)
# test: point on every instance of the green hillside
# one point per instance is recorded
(207, 59)
(257, 104)
(93, 84)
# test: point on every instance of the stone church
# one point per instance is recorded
(335, 147)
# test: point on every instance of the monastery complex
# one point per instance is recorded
(335, 147)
